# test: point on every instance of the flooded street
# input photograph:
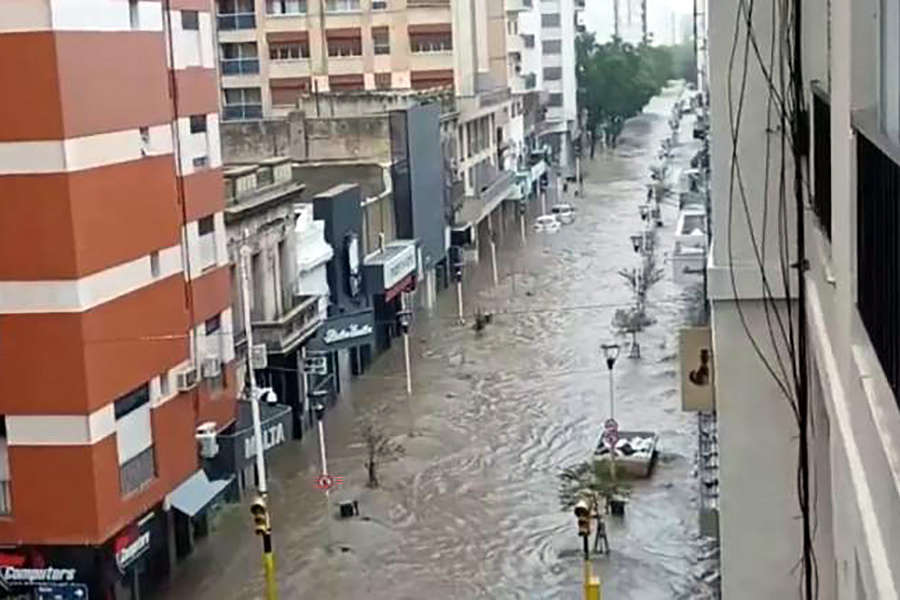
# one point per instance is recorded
(472, 511)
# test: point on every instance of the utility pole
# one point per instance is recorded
(644, 34)
(611, 353)
(405, 318)
(522, 212)
(492, 234)
(324, 478)
(616, 18)
(696, 53)
(259, 508)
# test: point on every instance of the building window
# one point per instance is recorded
(134, 14)
(5, 499)
(236, 14)
(556, 100)
(431, 42)
(286, 7)
(552, 73)
(342, 5)
(212, 325)
(198, 123)
(344, 47)
(239, 59)
(383, 81)
(550, 20)
(206, 225)
(134, 440)
(242, 104)
(190, 20)
(154, 265)
(529, 40)
(552, 46)
(379, 4)
(381, 41)
(164, 388)
(292, 51)
(145, 140)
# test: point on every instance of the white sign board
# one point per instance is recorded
(399, 266)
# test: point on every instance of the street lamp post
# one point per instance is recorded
(405, 319)
(262, 487)
(319, 407)
(610, 354)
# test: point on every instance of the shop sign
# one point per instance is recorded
(14, 576)
(350, 332)
(271, 437)
(400, 265)
(131, 545)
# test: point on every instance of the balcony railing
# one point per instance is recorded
(236, 21)
(240, 66)
(878, 253)
(286, 332)
(821, 116)
(242, 112)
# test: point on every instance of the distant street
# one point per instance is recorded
(472, 511)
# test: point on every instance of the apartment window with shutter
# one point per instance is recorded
(552, 73)
(190, 20)
(550, 20)
(342, 5)
(552, 46)
(292, 51)
(381, 41)
(286, 7)
(206, 225)
(556, 100)
(134, 440)
(344, 47)
(383, 81)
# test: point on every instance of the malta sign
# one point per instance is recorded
(271, 436)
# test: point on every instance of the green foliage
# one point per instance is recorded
(592, 479)
(617, 79)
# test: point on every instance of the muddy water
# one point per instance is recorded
(471, 511)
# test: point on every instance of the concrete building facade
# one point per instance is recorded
(113, 287)
(273, 52)
(849, 53)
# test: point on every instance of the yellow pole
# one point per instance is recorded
(591, 584)
(269, 567)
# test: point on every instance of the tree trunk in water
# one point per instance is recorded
(593, 143)
(373, 477)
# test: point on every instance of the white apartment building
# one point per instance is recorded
(850, 58)
(558, 27)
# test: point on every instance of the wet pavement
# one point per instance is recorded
(471, 511)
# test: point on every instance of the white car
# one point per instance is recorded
(564, 213)
(547, 223)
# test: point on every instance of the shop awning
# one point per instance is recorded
(197, 493)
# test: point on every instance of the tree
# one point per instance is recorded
(379, 447)
(615, 81)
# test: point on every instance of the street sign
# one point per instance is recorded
(610, 438)
(316, 365)
(611, 425)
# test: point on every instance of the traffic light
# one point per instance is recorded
(260, 512)
(583, 514)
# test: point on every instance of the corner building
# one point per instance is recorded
(114, 289)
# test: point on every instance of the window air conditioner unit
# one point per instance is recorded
(212, 367)
(186, 379)
(259, 357)
(206, 437)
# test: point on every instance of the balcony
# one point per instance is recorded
(821, 117)
(240, 66)
(288, 331)
(475, 208)
(236, 21)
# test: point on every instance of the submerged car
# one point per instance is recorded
(547, 223)
(564, 213)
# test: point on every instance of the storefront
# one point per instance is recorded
(237, 444)
(389, 273)
(132, 564)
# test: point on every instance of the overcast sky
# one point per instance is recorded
(662, 14)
